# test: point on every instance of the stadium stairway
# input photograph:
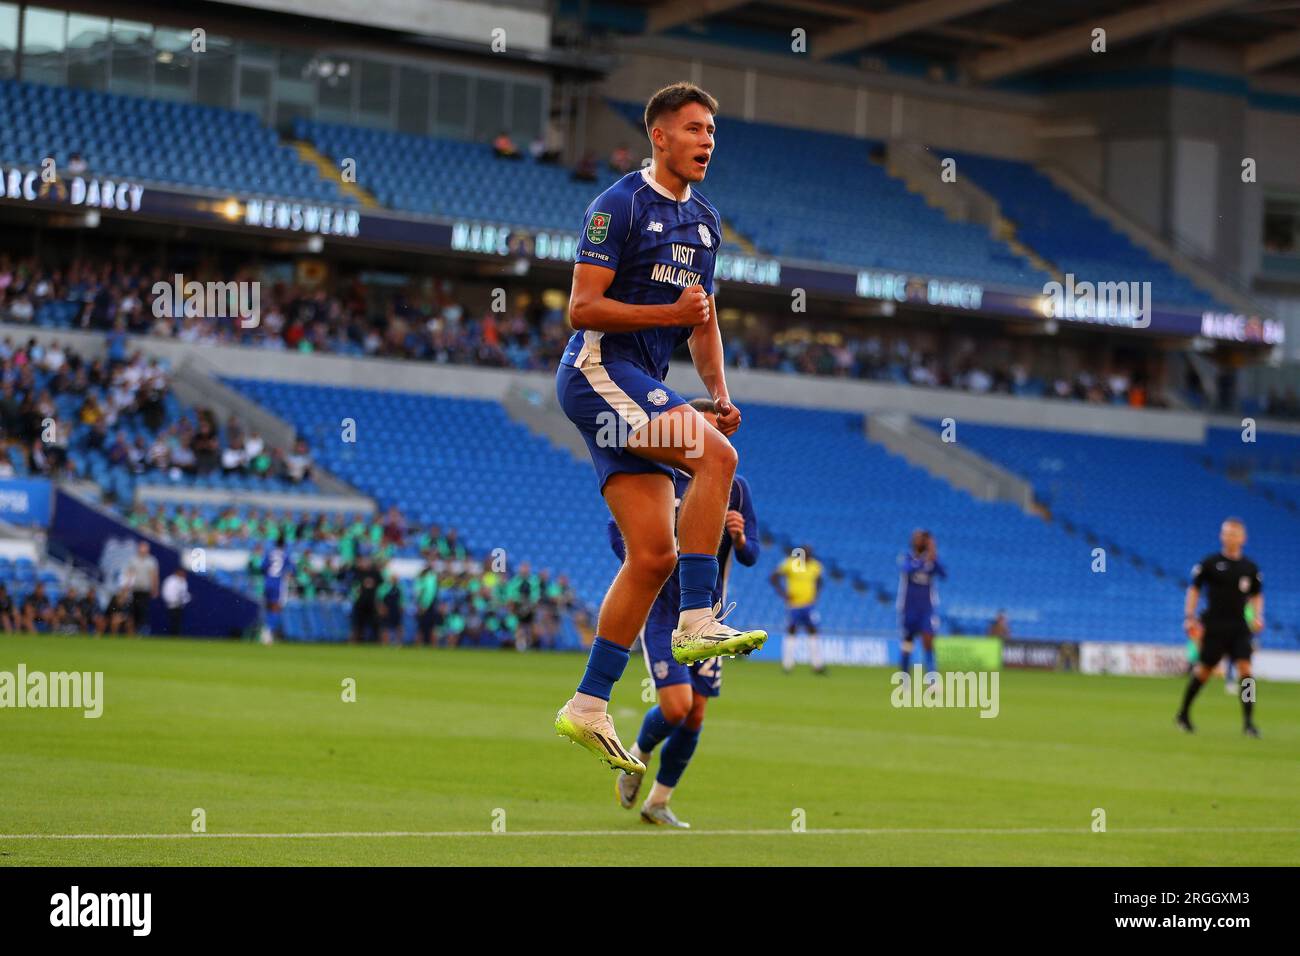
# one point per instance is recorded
(452, 178)
(196, 384)
(1066, 233)
(1226, 288)
(922, 170)
(948, 461)
(328, 170)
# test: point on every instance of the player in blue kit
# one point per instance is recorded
(683, 690)
(276, 568)
(917, 597)
(642, 286)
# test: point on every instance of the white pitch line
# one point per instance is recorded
(457, 834)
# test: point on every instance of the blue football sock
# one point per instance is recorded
(605, 665)
(676, 755)
(907, 663)
(654, 728)
(697, 574)
(929, 661)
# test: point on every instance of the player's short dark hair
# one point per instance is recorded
(672, 98)
(704, 405)
(1231, 519)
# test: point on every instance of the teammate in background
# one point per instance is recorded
(390, 609)
(117, 616)
(277, 566)
(642, 286)
(1234, 611)
(798, 580)
(37, 610)
(917, 598)
(683, 690)
(364, 593)
(427, 618)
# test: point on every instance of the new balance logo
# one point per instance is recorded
(655, 227)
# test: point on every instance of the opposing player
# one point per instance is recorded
(798, 579)
(1233, 586)
(277, 567)
(683, 690)
(918, 597)
(643, 285)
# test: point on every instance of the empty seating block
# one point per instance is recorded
(133, 138)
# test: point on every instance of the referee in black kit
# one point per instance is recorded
(1234, 608)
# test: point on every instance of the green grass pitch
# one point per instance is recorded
(438, 743)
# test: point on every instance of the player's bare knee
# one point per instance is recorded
(674, 708)
(724, 455)
(653, 563)
(718, 462)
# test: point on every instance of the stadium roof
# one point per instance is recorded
(994, 40)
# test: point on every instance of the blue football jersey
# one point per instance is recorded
(917, 594)
(275, 566)
(657, 246)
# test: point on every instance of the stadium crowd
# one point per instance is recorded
(457, 597)
(434, 325)
(53, 402)
(75, 612)
(904, 359)
(428, 326)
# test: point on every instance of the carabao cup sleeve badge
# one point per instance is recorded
(598, 227)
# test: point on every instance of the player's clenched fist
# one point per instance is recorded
(728, 415)
(692, 307)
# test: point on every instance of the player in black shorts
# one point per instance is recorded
(8, 615)
(1231, 582)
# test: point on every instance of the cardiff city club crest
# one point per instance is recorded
(705, 236)
(657, 397)
(598, 227)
